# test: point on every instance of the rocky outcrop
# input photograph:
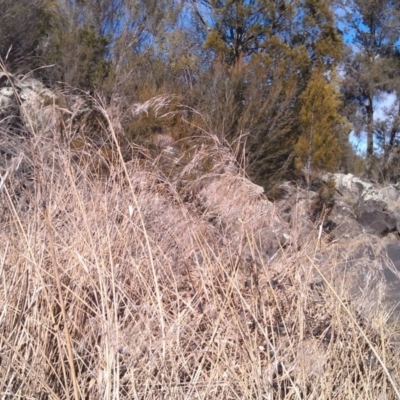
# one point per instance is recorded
(26, 103)
(361, 207)
(364, 223)
(28, 106)
(374, 215)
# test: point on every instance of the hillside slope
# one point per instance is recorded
(163, 272)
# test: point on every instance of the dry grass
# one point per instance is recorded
(144, 285)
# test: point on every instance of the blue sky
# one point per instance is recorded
(382, 103)
(385, 102)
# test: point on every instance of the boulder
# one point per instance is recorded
(377, 222)
(8, 105)
(350, 185)
(343, 220)
(373, 214)
(356, 201)
(27, 103)
(390, 192)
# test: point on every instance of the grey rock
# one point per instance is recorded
(393, 252)
(376, 221)
(372, 207)
(390, 193)
(349, 184)
(344, 221)
(7, 101)
(373, 212)
(26, 103)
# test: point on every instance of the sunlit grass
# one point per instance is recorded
(138, 284)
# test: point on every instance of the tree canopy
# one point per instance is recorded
(283, 81)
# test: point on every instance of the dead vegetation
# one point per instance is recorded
(140, 284)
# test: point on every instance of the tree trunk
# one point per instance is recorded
(370, 136)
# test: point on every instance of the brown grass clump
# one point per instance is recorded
(146, 285)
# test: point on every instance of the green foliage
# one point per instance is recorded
(80, 57)
(25, 30)
(370, 65)
(252, 72)
(93, 57)
(264, 54)
(319, 147)
(323, 40)
(241, 28)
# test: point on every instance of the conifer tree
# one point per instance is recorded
(238, 29)
(373, 27)
(269, 49)
(322, 128)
